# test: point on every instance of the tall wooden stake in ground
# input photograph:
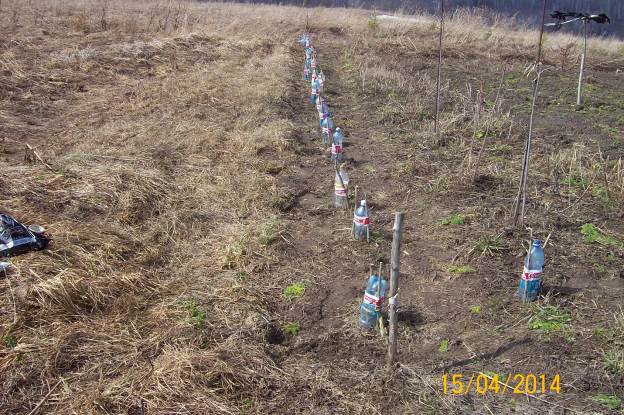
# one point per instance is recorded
(520, 201)
(579, 98)
(437, 106)
(395, 263)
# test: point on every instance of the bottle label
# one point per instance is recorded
(336, 149)
(326, 130)
(314, 91)
(361, 220)
(341, 192)
(531, 275)
(373, 299)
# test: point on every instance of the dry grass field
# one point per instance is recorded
(198, 265)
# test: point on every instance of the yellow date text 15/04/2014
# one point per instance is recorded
(518, 384)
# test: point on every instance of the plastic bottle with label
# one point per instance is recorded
(327, 127)
(361, 221)
(341, 187)
(370, 308)
(314, 91)
(337, 151)
(531, 280)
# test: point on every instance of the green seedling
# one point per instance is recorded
(242, 276)
(294, 291)
(269, 232)
(292, 328)
(376, 237)
(489, 246)
(549, 319)
(198, 315)
(610, 401)
(443, 346)
(593, 235)
(453, 219)
(576, 182)
(614, 362)
(475, 309)
(503, 148)
(10, 341)
(461, 269)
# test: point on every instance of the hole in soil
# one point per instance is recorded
(561, 291)
(410, 317)
(274, 335)
(484, 182)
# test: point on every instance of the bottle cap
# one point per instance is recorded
(537, 242)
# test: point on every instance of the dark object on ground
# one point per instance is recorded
(16, 238)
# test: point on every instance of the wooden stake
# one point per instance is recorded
(520, 201)
(395, 263)
(31, 151)
(354, 210)
(378, 309)
(368, 216)
(437, 106)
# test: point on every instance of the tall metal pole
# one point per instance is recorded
(437, 107)
(520, 201)
(541, 37)
(579, 97)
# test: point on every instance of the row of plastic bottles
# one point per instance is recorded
(374, 294)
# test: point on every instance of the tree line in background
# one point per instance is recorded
(527, 10)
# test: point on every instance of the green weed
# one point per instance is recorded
(234, 252)
(475, 309)
(9, 341)
(614, 362)
(242, 276)
(198, 315)
(503, 148)
(605, 334)
(269, 231)
(292, 328)
(453, 219)
(461, 269)
(601, 193)
(294, 291)
(246, 404)
(376, 237)
(443, 346)
(549, 319)
(576, 182)
(610, 401)
(593, 235)
(489, 246)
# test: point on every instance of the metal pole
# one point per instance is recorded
(437, 106)
(579, 98)
(541, 37)
(395, 260)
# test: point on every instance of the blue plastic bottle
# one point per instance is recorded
(531, 280)
(314, 91)
(361, 221)
(337, 149)
(327, 126)
(370, 309)
(306, 71)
